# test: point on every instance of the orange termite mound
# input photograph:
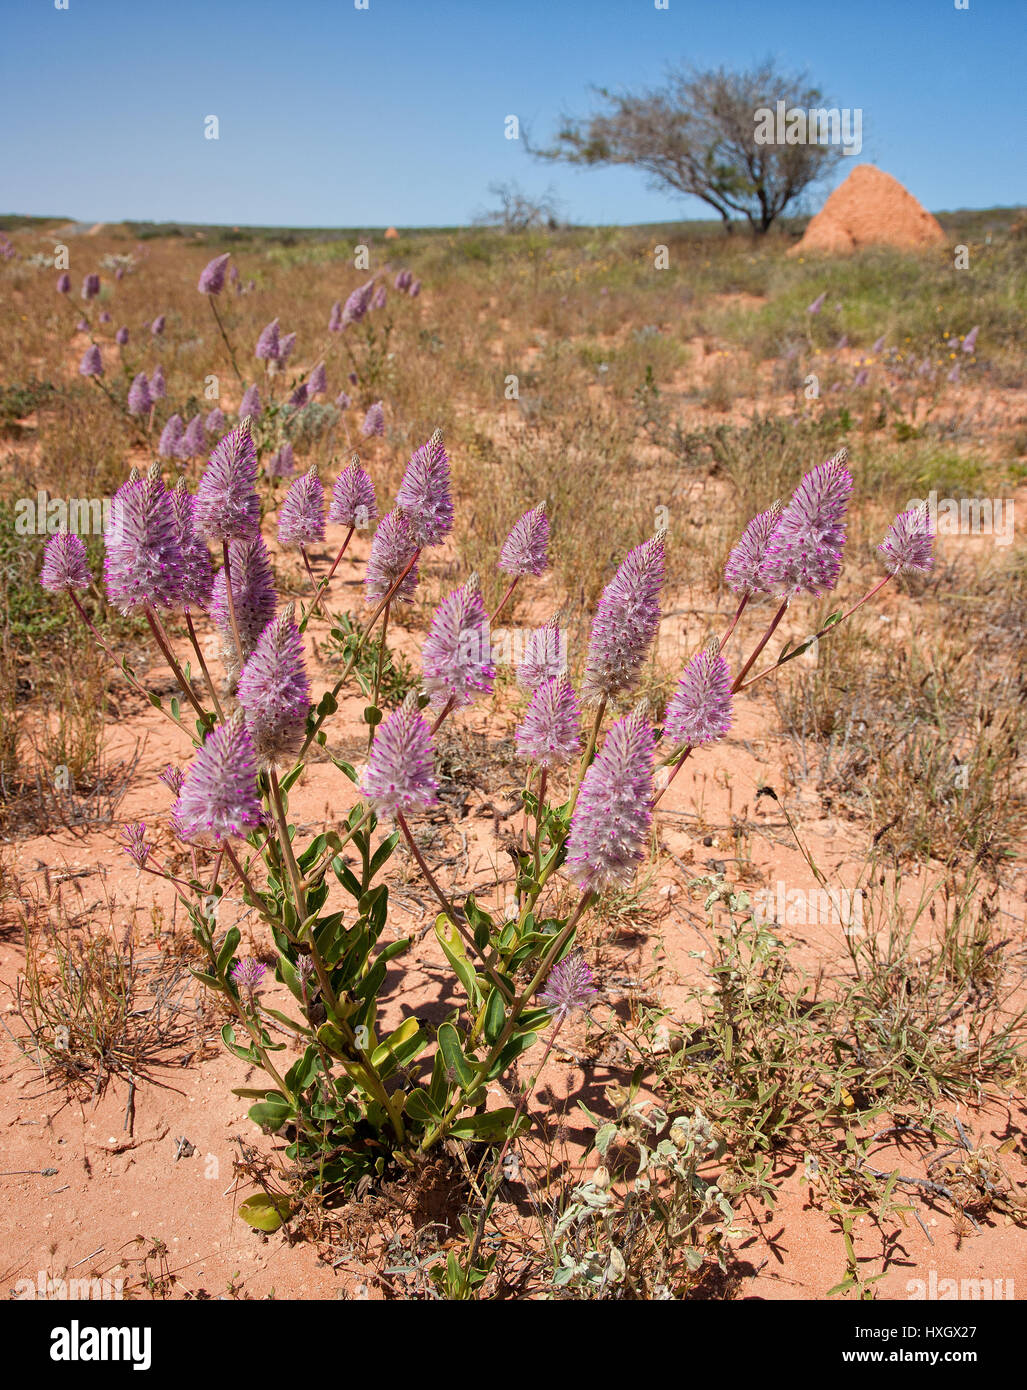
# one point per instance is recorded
(391, 234)
(869, 209)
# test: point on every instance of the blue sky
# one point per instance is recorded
(333, 116)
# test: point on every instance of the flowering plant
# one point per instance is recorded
(351, 1096)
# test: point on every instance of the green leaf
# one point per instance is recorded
(449, 1042)
(511, 1052)
(398, 1048)
(271, 1114)
(303, 1071)
(421, 1108)
(453, 946)
(495, 1016)
(264, 1212)
(493, 1124)
(372, 715)
(246, 1054)
(227, 951)
(383, 853)
(346, 877)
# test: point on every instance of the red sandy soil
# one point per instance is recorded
(870, 208)
(114, 1183)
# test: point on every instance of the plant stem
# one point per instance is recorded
(224, 335)
(356, 652)
(318, 602)
(448, 907)
(760, 645)
(516, 1009)
(588, 755)
(830, 627)
(503, 601)
(378, 674)
(734, 622)
(163, 641)
(497, 1173)
(677, 768)
(203, 665)
(286, 843)
(231, 604)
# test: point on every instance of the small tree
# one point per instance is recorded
(519, 213)
(697, 135)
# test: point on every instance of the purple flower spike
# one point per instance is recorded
(64, 564)
(301, 520)
(215, 421)
(64, 284)
(250, 405)
(247, 974)
(133, 842)
(545, 656)
(805, 552)
(743, 571)
(298, 399)
(699, 711)
(861, 378)
(143, 566)
(158, 389)
(424, 495)
(392, 549)
(374, 421)
(227, 505)
(318, 383)
(194, 440)
(268, 344)
(274, 691)
(357, 304)
(343, 401)
(970, 341)
(456, 655)
(157, 327)
(285, 347)
(92, 362)
(253, 589)
(399, 774)
(907, 546)
(219, 794)
(549, 735)
(415, 289)
(82, 327)
(524, 551)
(335, 318)
(817, 304)
(353, 500)
(90, 286)
(379, 300)
(612, 816)
(121, 337)
(171, 776)
(403, 279)
(626, 621)
(212, 277)
(198, 572)
(105, 316)
(139, 401)
(571, 985)
(878, 344)
(170, 441)
(282, 462)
